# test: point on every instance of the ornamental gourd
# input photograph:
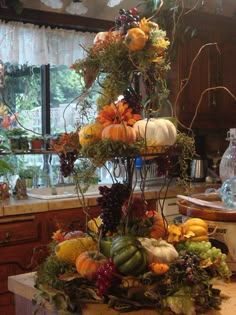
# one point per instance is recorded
(90, 133)
(195, 229)
(135, 39)
(159, 250)
(88, 262)
(119, 132)
(159, 226)
(158, 131)
(128, 255)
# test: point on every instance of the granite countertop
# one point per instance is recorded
(23, 285)
(12, 206)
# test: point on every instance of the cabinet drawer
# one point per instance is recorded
(19, 230)
(170, 208)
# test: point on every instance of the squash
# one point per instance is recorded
(159, 226)
(90, 133)
(196, 229)
(159, 268)
(119, 132)
(69, 250)
(158, 131)
(88, 262)
(158, 250)
(135, 39)
(128, 255)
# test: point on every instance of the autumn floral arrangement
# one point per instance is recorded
(129, 257)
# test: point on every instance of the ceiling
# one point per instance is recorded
(108, 9)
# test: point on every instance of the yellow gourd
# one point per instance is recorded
(90, 133)
(69, 250)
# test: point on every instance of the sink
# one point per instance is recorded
(62, 192)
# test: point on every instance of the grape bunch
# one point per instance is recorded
(127, 19)
(133, 99)
(111, 203)
(67, 161)
(106, 277)
(188, 268)
(209, 254)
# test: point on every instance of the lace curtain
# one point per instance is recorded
(36, 45)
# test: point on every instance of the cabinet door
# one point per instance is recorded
(214, 66)
(69, 219)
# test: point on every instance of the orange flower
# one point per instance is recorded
(58, 236)
(67, 142)
(117, 113)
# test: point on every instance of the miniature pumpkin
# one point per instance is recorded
(159, 226)
(135, 39)
(88, 262)
(159, 268)
(128, 255)
(90, 134)
(158, 131)
(196, 229)
(102, 36)
(119, 132)
(158, 250)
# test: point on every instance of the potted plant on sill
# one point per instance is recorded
(5, 168)
(17, 139)
(28, 175)
(36, 142)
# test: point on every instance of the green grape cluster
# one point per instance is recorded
(210, 256)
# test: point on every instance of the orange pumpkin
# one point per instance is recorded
(88, 262)
(90, 133)
(159, 268)
(159, 226)
(135, 39)
(119, 132)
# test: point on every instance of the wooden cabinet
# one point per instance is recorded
(23, 244)
(215, 66)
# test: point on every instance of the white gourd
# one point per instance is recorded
(102, 36)
(158, 131)
(158, 250)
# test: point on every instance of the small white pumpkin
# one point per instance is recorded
(158, 131)
(102, 36)
(158, 250)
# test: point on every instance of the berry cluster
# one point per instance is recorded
(107, 276)
(111, 203)
(127, 19)
(188, 265)
(67, 161)
(133, 99)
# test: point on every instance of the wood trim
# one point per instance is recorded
(52, 19)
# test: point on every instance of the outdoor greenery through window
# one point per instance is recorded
(22, 104)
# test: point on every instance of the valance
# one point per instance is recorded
(36, 45)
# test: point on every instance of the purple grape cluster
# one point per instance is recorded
(67, 161)
(107, 276)
(189, 265)
(111, 203)
(133, 99)
(127, 19)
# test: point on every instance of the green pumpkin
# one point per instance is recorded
(128, 255)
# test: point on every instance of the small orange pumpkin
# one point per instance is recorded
(159, 268)
(135, 39)
(119, 132)
(88, 262)
(159, 226)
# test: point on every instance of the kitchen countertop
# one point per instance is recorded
(12, 206)
(23, 286)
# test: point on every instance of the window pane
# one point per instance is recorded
(22, 94)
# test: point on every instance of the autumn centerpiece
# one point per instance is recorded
(129, 257)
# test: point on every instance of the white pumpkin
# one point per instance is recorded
(158, 250)
(158, 131)
(102, 36)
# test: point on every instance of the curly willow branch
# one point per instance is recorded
(186, 81)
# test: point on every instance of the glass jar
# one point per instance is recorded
(228, 160)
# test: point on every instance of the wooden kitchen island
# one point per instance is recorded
(23, 288)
